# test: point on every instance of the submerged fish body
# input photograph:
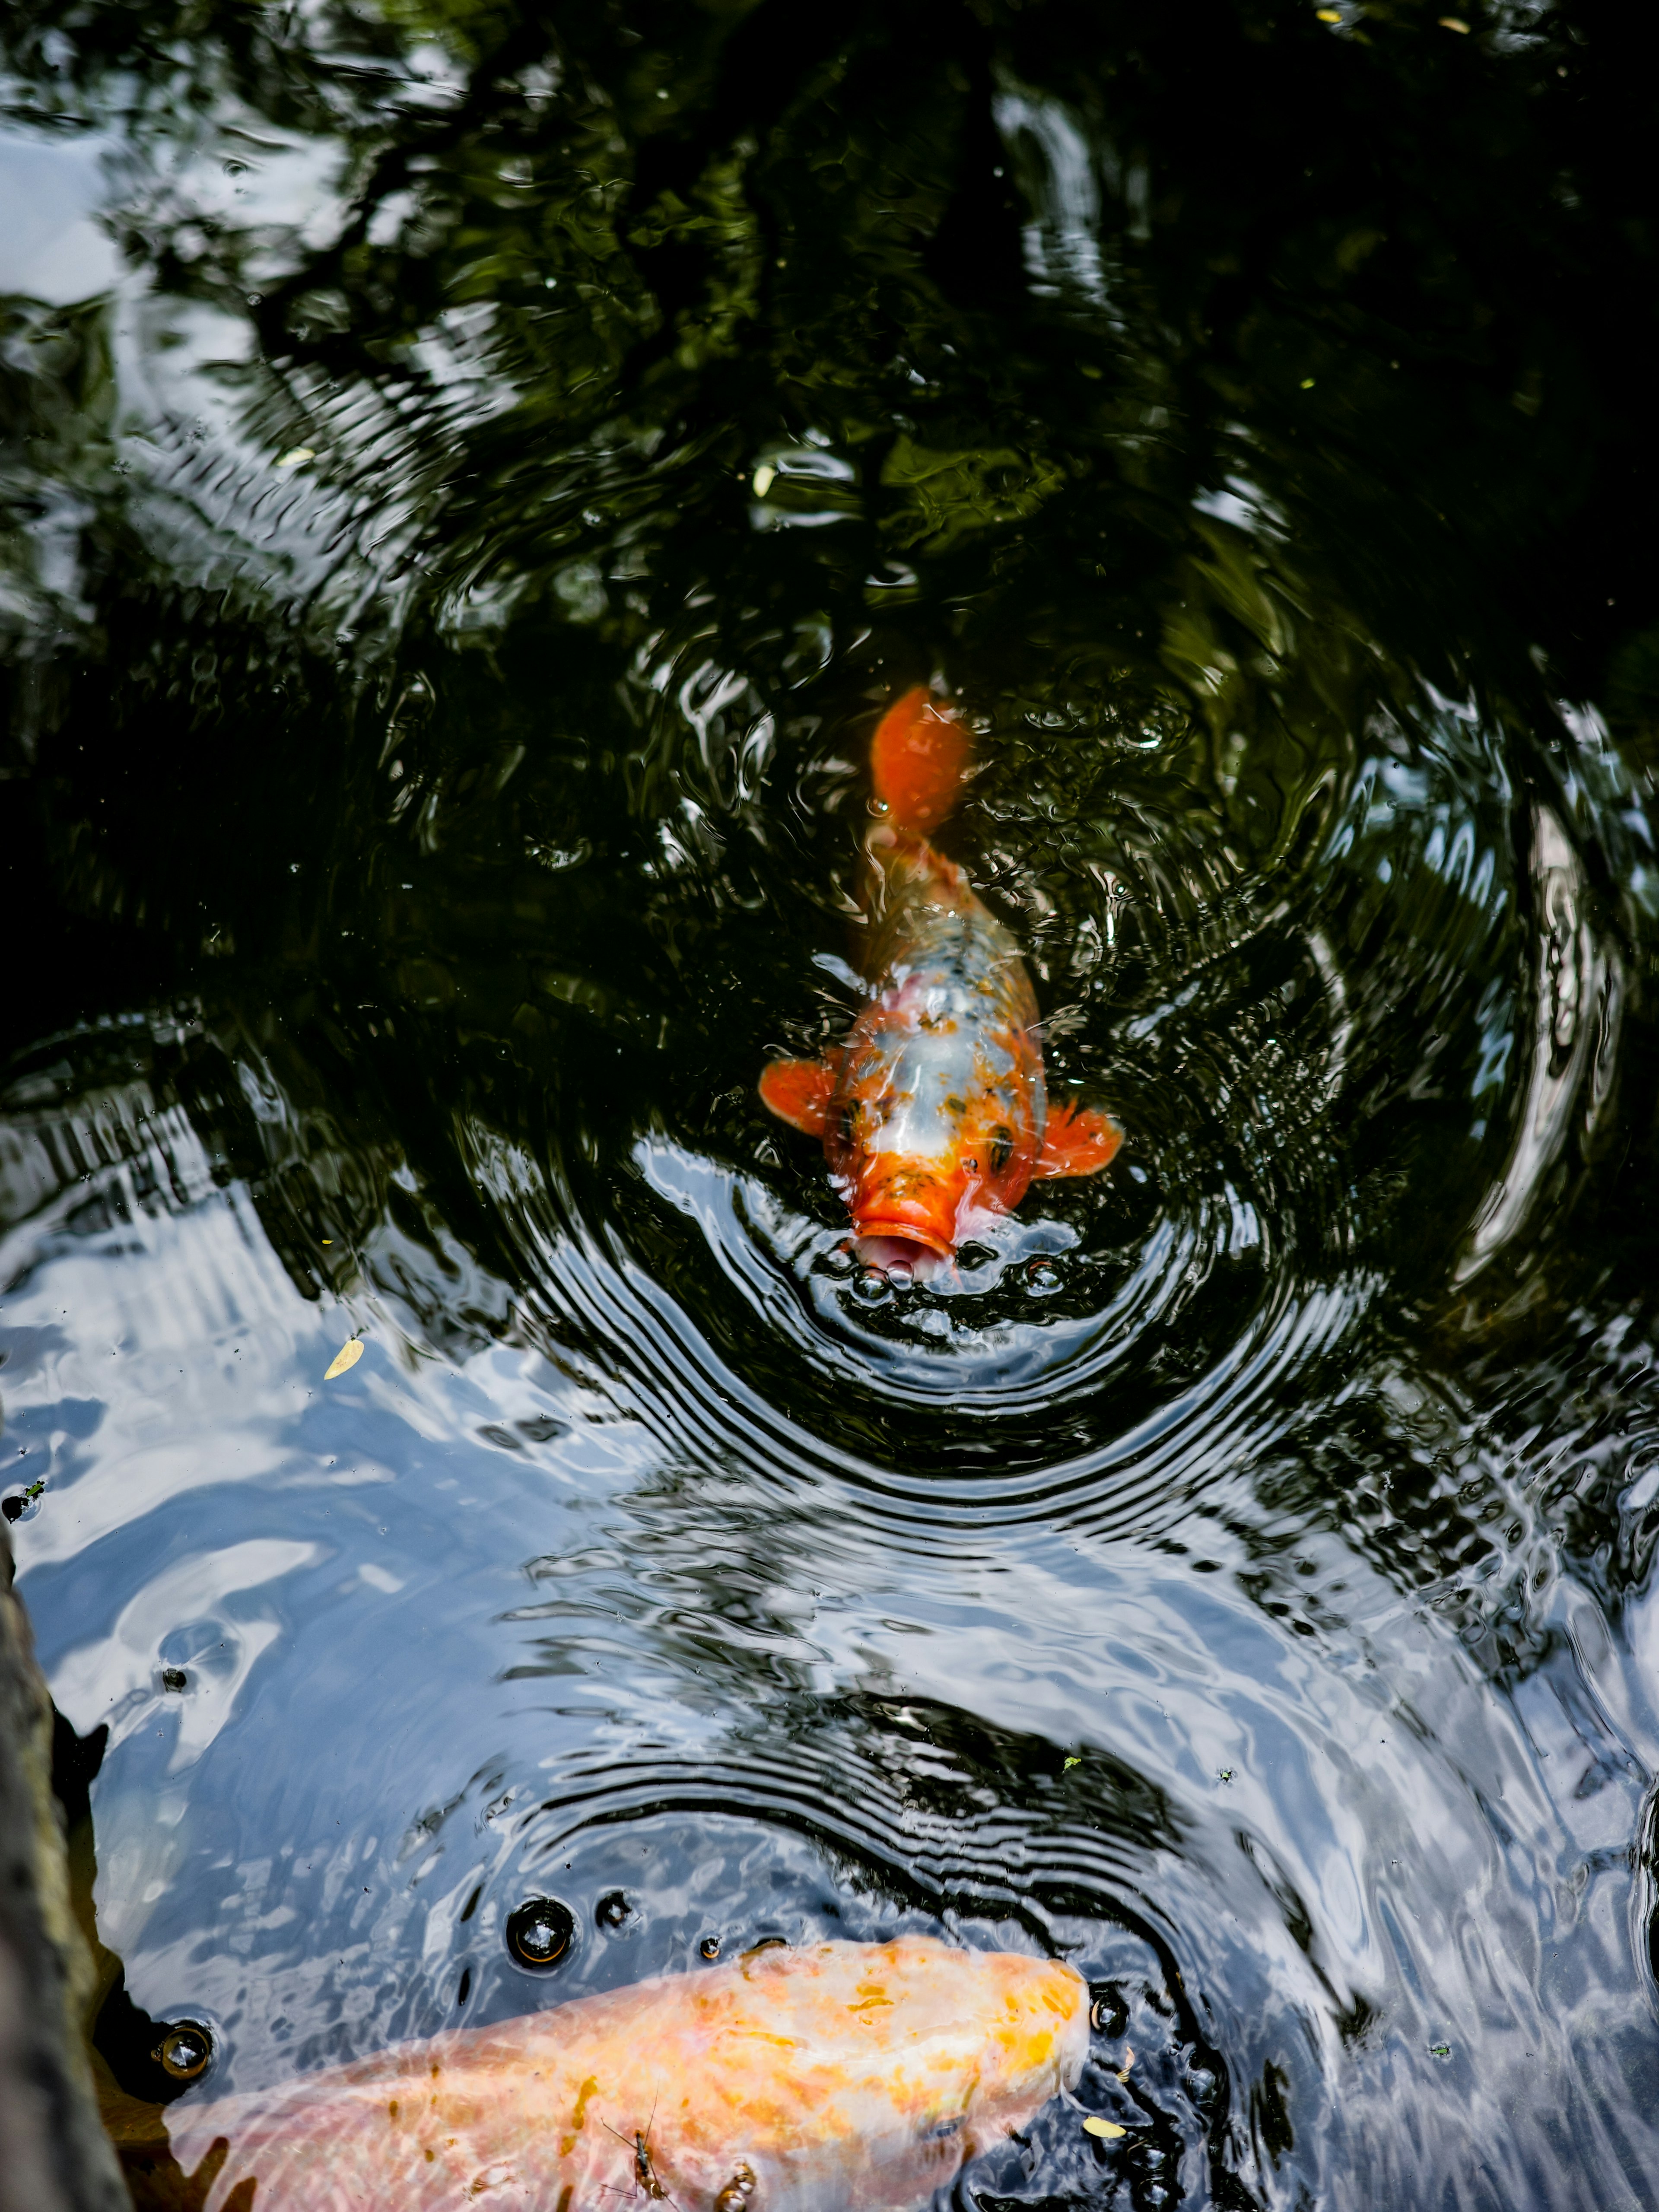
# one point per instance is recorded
(837, 2077)
(934, 1115)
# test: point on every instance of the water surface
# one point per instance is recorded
(474, 477)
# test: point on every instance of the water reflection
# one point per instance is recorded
(463, 557)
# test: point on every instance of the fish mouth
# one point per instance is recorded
(873, 1225)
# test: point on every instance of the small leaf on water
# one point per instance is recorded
(348, 1356)
(295, 457)
(1071, 1762)
(1440, 2050)
(1094, 2125)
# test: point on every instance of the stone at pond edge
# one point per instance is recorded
(56, 2156)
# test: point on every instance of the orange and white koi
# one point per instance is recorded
(935, 1113)
(837, 2077)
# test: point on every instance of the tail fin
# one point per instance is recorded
(918, 762)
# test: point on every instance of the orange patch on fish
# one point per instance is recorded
(934, 1115)
(838, 2077)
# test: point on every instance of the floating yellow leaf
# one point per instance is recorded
(1454, 24)
(1328, 15)
(295, 457)
(765, 477)
(348, 1356)
(1094, 2125)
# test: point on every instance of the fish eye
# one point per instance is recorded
(1002, 1149)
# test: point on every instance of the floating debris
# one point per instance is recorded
(348, 1356)
(1107, 2130)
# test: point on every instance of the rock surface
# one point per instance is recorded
(56, 2157)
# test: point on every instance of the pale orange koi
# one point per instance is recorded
(837, 2077)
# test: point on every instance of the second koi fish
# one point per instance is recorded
(835, 2077)
(934, 1115)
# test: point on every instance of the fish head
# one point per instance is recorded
(923, 2055)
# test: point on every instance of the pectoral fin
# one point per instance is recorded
(797, 1091)
(1079, 1140)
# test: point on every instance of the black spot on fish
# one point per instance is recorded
(1002, 1149)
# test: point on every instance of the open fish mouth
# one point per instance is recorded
(877, 1230)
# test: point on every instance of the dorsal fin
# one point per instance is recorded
(918, 760)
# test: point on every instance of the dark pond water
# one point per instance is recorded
(472, 477)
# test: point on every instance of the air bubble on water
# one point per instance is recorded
(185, 2050)
(870, 1286)
(540, 1932)
(1043, 1280)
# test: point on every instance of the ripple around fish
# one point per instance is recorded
(693, 1400)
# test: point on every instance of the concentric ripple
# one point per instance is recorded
(450, 573)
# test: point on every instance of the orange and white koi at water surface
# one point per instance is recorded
(835, 2077)
(935, 1113)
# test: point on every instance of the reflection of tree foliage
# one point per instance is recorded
(1380, 250)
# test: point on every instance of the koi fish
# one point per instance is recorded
(934, 1115)
(837, 2077)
